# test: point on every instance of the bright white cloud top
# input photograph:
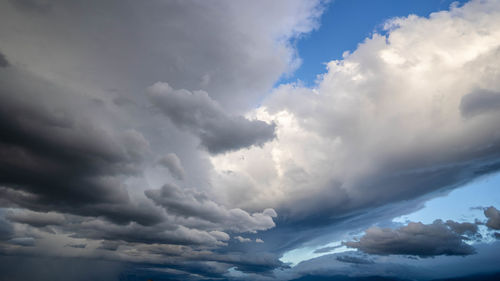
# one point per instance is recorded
(405, 114)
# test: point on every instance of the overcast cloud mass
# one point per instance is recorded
(154, 140)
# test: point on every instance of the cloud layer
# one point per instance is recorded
(198, 113)
(149, 134)
(404, 115)
(423, 240)
(87, 162)
(493, 216)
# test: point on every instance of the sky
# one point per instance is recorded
(345, 24)
(249, 140)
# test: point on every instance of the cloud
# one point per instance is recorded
(179, 235)
(3, 61)
(109, 245)
(80, 141)
(6, 229)
(464, 228)
(326, 249)
(252, 263)
(404, 116)
(243, 239)
(36, 219)
(234, 55)
(396, 267)
(173, 164)
(54, 159)
(353, 259)
(198, 113)
(493, 216)
(478, 102)
(22, 241)
(32, 5)
(418, 239)
(77, 246)
(51, 269)
(195, 204)
(383, 126)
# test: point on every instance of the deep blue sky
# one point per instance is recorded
(346, 23)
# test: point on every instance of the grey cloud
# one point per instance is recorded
(353, 259)
(70, 146)
(251, 262)
(243, 239)
(123, 101)
(198, 113)
(215, 266)
(326, 249)
(231, 54)
(424, 240)
(207, 45)
(109, 245)
(6, 229)
(36, 219)
(479, 102)
(174, 166)
(466, 228)
(57, 269)
(3, 61)
(191, 203)
(22, 241)
(32, 5)
(493, 216)
(55, 159)
(136, 233)
(77, 246)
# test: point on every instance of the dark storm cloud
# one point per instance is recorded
(77, 246)
(135, 233)
(57, 162)
(53, 159)
(75, 159)
(22, 241)
(251, 262)
(3, 61)
(109, 245)
(479, 102)
(190, 203)
(68, 151)
(354, 259)
(57, 269)
(198, 113)
(464, 228)
(418, 239)
(36, 219)
(493, 216)
(6, 229)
